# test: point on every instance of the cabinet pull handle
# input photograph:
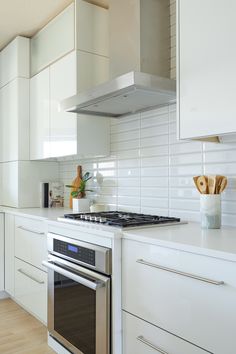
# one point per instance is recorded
(149, 344)
(30, 276)
(188, 275)
(29, 230)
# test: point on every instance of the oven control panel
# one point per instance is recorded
(73, 251)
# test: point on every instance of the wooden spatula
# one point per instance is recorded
(202, 184)
(223, 184)
(211, 184)
(219, 179)
(195, 182)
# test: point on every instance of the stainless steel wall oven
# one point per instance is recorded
(79, 295)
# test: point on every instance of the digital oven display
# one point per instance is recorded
(72, 248)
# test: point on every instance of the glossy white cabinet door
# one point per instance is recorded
(56, 39)
(63, 125)
(206, 67)
(40, 116)
(140, 337)
(9, 254)
(31, 289)
(1, 252)
(92, 70)
(14, 60)
(194, 299)
(92, 28)
(30, 241)
(14, 121)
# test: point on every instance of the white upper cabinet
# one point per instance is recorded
(39, 116)
(92, 70)
(14, 60)
(54, 133)
(92, 28)
(206, 68)
(14, 121)
(63, 125)
(14, 101)
(54, 40)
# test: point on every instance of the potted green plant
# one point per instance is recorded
(78, 193)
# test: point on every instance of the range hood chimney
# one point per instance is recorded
(139, 62)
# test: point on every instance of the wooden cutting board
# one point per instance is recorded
(76, 182)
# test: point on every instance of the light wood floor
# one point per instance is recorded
(21, 333)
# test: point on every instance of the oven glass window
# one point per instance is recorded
(75, 313)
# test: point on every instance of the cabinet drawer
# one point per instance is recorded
(31, 289)
(182, 293)
(140, 337)
(30, 241)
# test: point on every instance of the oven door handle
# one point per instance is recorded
(77, 278)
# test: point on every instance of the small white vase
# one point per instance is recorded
(210, 207)
(80, 205)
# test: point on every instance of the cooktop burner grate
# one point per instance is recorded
(121, 219)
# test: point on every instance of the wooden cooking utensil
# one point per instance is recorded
(223, 185)
(202, 184)
(76, 182)
(211, 184)
(195, 182)
(219, 179)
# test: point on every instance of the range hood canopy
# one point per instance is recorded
(129, 93)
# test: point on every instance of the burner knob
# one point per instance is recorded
(92, 218)
(102, 220)
(87, 217)
(82, 216)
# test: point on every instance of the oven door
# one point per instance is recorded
(78, 307)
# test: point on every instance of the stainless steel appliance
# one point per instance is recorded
(120, 219)
(129, 93)
(79, 295)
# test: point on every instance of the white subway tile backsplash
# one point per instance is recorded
(154, 131)
(154, 161)
(150, 171)
(154, 141)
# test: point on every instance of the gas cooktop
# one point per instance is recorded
(119, 219)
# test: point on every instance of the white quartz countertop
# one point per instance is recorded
(37, 213)
(190, 237)
(186, 237)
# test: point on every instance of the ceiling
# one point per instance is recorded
(26, 17)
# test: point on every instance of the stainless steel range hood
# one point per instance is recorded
(139, 42)
(126, 94)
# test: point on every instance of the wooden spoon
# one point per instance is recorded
(195, 182)
(219, 179)
(202, 184)
(212, 184)
(223, 184)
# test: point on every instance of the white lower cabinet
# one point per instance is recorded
(31, 289)
(30, 241)
(25, 277)
(189, 295)
(9, 254)
(1, 252)
(141, 337)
